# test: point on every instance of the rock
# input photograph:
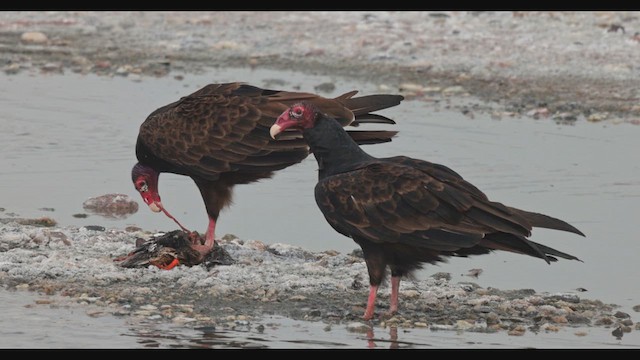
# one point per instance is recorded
(453, 90)
(34, 37)
(621, 315)
(596, 117)
(441, 275)
(519, 330)
(358, 327)
(118, 206)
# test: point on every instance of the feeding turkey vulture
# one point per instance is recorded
(219, 136)
(404, 212)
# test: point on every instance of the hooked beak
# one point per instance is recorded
(155, 206)
(275, 130)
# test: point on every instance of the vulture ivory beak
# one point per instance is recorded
(155, 207)
(275, 130)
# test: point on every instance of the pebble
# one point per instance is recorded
(517, 331)
(183, 319)
(454, 90)
(597, 117)
(358, 327)
(34, 37)
(621, 315)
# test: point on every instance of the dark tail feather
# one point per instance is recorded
(519, 244)
(371, 137)
(370, 103)
(547, 222)
(371, 119)
(550, 251)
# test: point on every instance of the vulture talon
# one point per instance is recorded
(404, 212)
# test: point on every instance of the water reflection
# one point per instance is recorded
(393, 338)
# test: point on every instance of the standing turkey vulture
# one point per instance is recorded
(404, 212)
(219, 136)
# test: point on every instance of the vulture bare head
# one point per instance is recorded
(300, 116)
(145, 180)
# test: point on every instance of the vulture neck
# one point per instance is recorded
(334, 149)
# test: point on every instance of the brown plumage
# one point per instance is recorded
(219, 136)
(404, 212)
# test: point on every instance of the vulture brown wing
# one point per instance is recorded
(524, 218)
(223, 128)
(389, 202)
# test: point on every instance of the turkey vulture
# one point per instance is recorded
(219, 136)
(404, 212)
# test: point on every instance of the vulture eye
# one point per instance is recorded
(142, 186)
(296, 112)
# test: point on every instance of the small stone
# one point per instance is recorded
(410, 88)
(11, 69)
(580, 333)
(474, 273)
(517, 331)
(596, 117)
(549, 327)
(420, 324)
(451, 90)
(627, 322)
(431, 89)
(441, 275)
(358, 327)
(560, 319)
(538, 113)
(52, 67)
(570, 298)
(33, 37)
(94, 227)
(183, 319)
(621, 315)
(463, 325)
(636, 308)
(603, 321)
(409, 294)
(111, 205)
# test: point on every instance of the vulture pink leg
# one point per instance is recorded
(209, 242)
(395, 287)
(371, 303)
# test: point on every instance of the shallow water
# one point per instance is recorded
(46, 322)
(66, 138)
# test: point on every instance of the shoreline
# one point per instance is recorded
(277, 279)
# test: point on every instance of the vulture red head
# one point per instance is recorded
(145, 179)
(300, 116)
